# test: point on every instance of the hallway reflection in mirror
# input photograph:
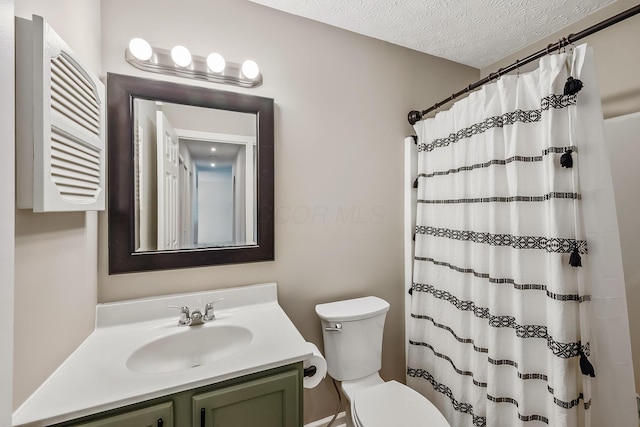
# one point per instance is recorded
(195, 177)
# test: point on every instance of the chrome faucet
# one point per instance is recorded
(208, 310)
(185, 318)
(196, 317)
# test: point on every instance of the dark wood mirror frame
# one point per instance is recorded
(121, 91)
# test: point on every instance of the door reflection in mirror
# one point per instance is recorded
(195, 177)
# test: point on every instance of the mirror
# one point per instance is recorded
(194, 185)
(190, 176)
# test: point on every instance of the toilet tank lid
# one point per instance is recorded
(352, 309)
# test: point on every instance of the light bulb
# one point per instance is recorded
(213, 148)
(181, 56)
(216, 62)
(250, 69)
(140, 48)
(213, 165)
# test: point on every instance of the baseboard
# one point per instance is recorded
(340, 421)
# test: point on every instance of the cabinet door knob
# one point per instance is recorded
(202, 415)
(160, 422)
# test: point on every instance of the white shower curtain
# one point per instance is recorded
(503, 330)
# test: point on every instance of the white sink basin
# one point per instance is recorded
(189, 347)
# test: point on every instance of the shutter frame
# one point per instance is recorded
(61, 150)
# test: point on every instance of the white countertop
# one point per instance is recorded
(95, 377)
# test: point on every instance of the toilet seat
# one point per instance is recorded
(394, 404)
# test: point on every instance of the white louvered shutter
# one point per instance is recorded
(68, 127)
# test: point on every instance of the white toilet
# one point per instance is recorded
(352, 331)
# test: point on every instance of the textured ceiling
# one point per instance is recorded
(472, 32)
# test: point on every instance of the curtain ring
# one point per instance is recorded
(562, 43)
(517, 67)
(569, 42)
(565, 43)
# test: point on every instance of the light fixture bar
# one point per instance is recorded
(161, 62)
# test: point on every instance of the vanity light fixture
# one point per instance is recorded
(140, 48)
(180, 62)
(250, 69)
(216, 62)
(181, 56)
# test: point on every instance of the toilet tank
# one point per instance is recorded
(352, 332)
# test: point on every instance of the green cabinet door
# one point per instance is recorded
(272, 401)
(152, 416)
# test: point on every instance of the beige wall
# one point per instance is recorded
(338, 154)
(7, 134)
(55, 253)
(617, 60)
(341, 104)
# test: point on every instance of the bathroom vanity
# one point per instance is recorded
(271, 398)
(140, 368)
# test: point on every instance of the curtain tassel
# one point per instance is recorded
(575, 260)
(585, 366)
(566, 160)
(415, 183)
(572, 86)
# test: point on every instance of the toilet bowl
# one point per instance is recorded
(394, 404)
(376, 403)
(352, 331)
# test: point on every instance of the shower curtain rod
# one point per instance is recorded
(415, 116)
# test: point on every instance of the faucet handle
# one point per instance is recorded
(208, 310)
(184, 314)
